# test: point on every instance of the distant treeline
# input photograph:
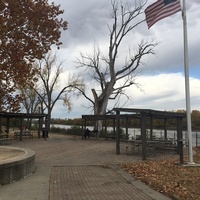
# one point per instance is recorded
(135, 123)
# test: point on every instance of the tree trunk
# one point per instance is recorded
(100, 105)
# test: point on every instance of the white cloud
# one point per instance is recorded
(160, 92)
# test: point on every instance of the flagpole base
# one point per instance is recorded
(191, 163)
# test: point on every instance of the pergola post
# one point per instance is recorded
(180, 139)
(118, 132)
(45, 131)
(105, 128)
(165, 128)
(143, 134)
(127, 118)
(21, 127)
(151, 127)
(114, 126)
(1, 124)
(7, 125)
(40, 127)
(83, 126)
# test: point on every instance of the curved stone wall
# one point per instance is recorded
(14, 168)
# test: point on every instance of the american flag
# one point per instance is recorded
(161, 9)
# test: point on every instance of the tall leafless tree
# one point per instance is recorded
(48, 90)
(111, 77)
(30, 102)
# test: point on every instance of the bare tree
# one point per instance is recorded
(111, 77)
(30, 101)
(48, 88)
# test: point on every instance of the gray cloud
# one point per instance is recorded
(88, 21)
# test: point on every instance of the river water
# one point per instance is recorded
(133, 132)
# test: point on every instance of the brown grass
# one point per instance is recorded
(175, 181)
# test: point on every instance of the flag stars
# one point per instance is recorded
(166, 2)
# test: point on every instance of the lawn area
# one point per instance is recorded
(175, 181)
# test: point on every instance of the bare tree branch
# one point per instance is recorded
(111, 79)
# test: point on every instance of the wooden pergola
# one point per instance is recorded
(8, 115)
(143, 115)
(105, 119)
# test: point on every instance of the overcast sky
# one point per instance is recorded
(161, 79)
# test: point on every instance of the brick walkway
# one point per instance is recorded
(94, 183)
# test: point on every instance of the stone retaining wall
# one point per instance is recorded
(17, 168)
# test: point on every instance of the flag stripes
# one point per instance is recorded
(159, 10)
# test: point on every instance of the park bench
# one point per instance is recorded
(24, 134)
(113, 136)
(94, 133)
(135, 145)
(5, 139)
(162, 144)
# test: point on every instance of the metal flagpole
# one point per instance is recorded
(187, 85)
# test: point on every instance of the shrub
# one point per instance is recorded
(58, 130)
(111, 133)
(74, 130)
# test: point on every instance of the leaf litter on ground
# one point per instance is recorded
(166, 176)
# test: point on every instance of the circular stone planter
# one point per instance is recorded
(15, 164)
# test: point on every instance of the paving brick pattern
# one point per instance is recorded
(90, 182)
(80, 169)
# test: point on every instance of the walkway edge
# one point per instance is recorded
(139, 185)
